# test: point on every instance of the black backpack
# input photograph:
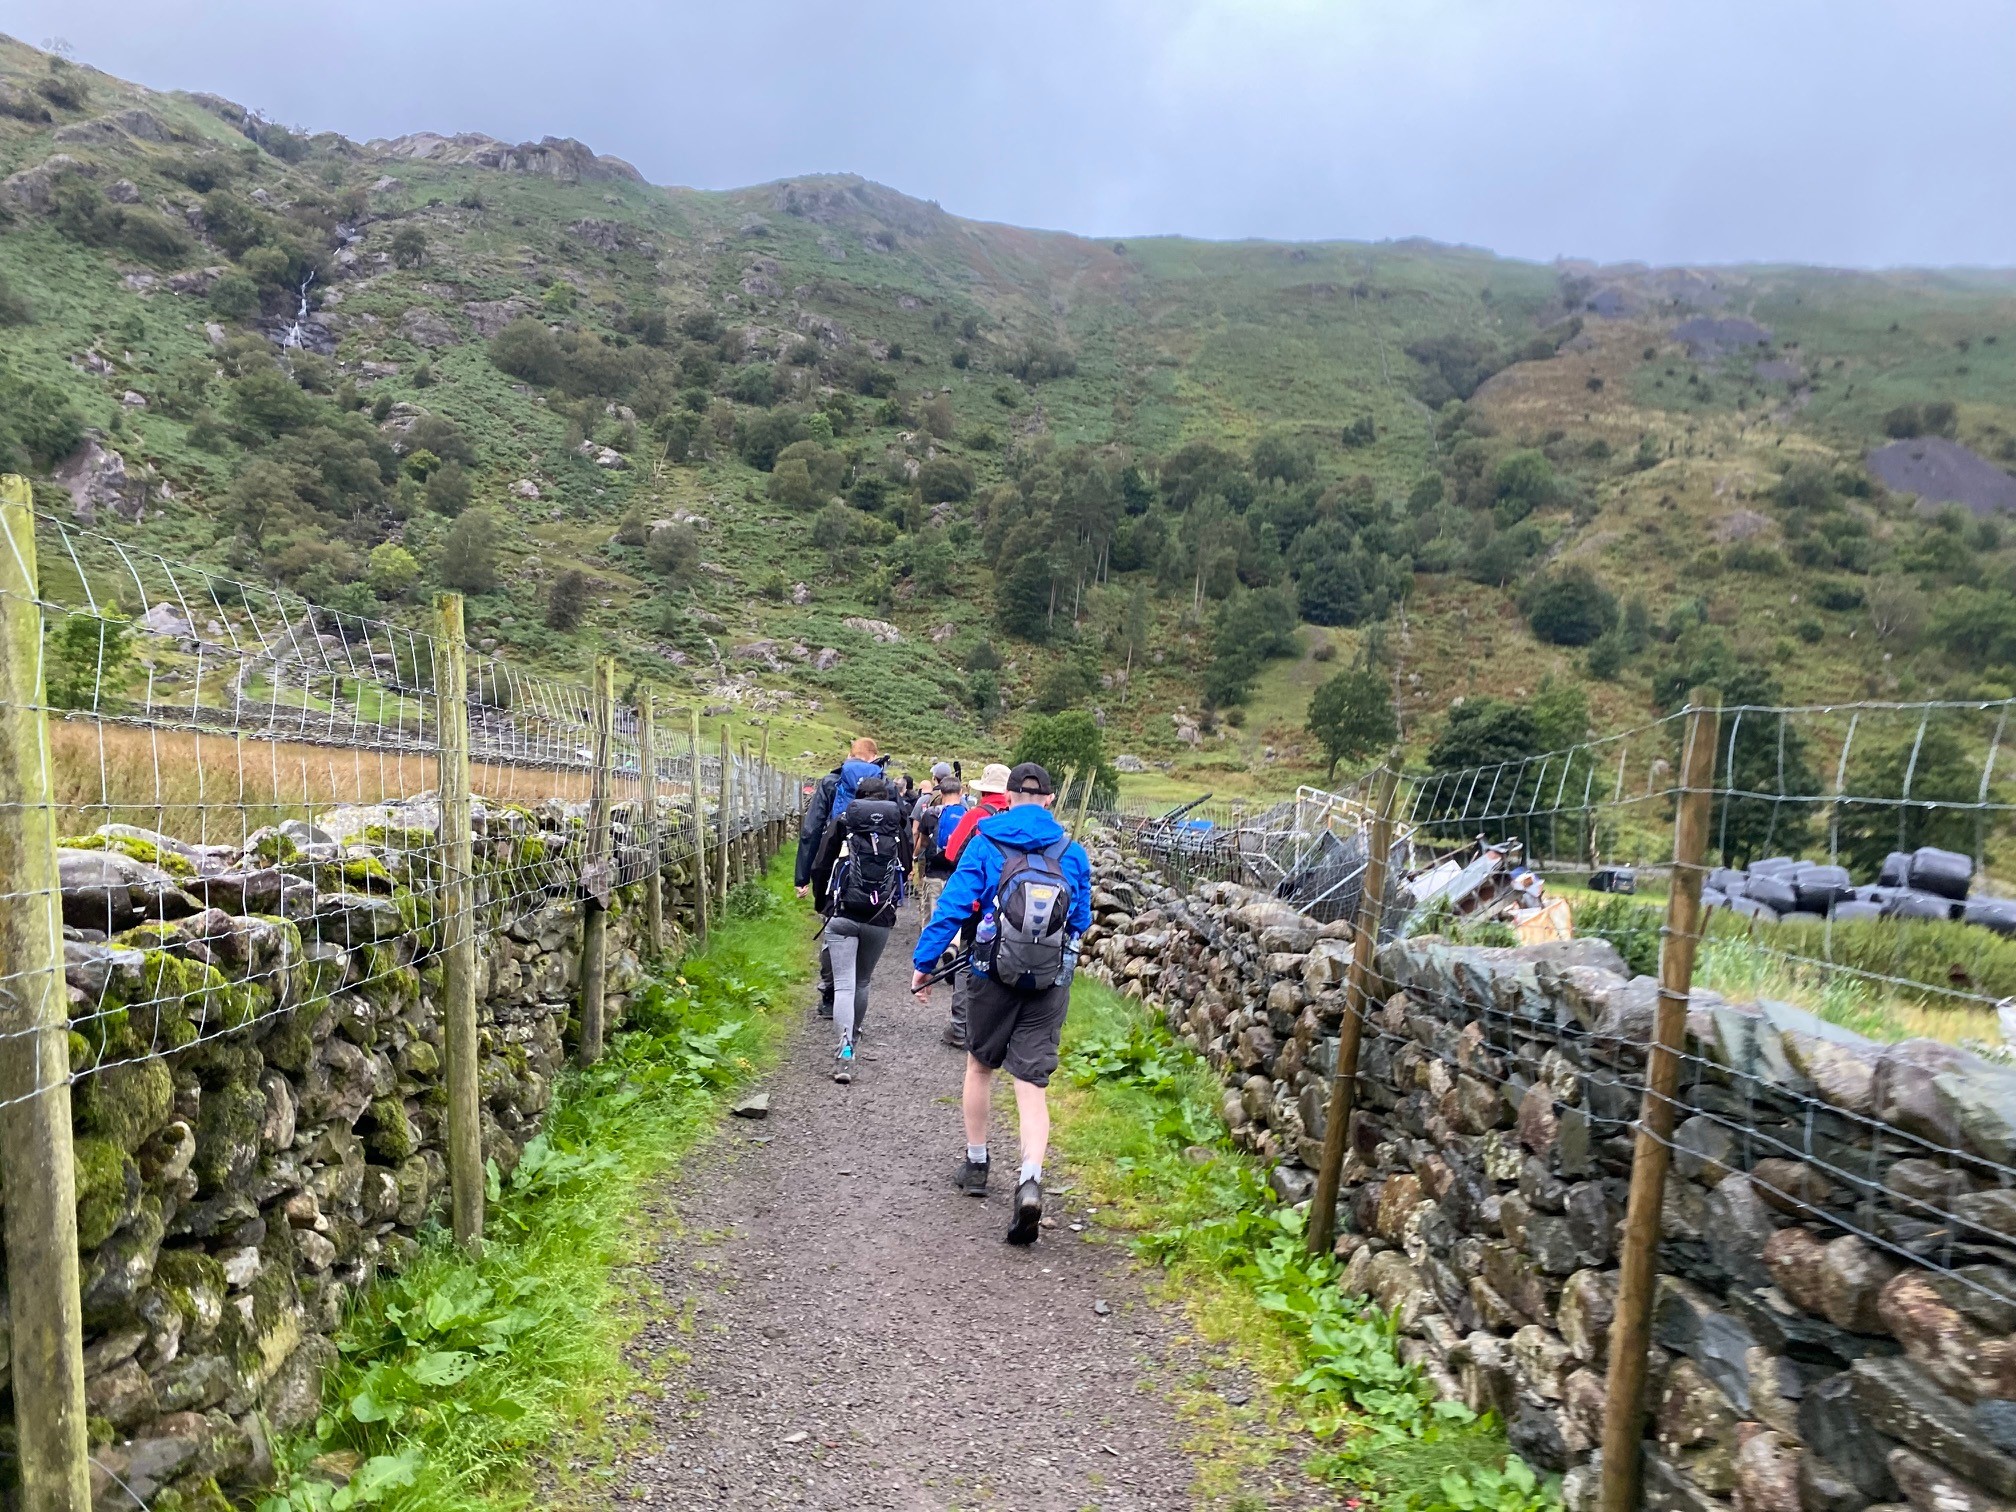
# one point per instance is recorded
(868, 881)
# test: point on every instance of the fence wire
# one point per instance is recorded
(1857, 854)
(244, 790)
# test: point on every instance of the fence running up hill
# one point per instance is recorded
(1829, 869)
(179, 751)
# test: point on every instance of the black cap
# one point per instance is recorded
(1030, 777)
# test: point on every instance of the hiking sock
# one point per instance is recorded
(1032, 1170)
(977, 1154)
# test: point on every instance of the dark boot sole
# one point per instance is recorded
(1028, 1224)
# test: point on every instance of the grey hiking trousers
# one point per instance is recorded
(853, 949)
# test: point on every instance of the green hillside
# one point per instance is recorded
(731, 437)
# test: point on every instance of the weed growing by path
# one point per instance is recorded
(461, 1376)
(1139, 1118)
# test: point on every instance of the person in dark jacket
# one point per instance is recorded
(857, 882)
(862, 756)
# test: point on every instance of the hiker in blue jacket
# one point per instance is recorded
(1030, 885)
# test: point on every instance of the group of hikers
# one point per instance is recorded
(1008, 895)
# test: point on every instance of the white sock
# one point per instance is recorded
(1032, 1170)
(977, 1154)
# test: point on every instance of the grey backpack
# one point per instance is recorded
(1032, 918)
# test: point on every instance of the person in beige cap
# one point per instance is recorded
(993, 787)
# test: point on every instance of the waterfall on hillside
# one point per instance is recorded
(290, 339)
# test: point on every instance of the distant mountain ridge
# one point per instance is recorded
(714, 433)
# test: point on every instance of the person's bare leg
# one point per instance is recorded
(979, 1090)
(1032, 1108)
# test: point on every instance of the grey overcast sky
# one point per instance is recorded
(1858, 132)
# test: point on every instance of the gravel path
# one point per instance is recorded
(848, 1331)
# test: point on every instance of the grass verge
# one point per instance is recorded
(462, 1382)
(1138, 1113)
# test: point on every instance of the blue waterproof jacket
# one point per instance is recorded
(970, 888)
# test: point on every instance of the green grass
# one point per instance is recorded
(471, 1384)
(1888, 979)
(1138, 1115)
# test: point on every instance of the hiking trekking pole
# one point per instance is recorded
(949, 969)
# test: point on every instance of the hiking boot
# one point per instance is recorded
(826, 1010)
(972, 1178)
(843, 1065)
(953, 1036)
(1028, 1212)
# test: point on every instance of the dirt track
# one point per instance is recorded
(860, 1336)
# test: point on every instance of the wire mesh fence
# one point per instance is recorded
(237, 778)
(1856, 853)
(1809, 1019)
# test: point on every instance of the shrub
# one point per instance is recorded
(393, 570)
(761, 437)
(409, 247)
(448, 489)
(526, 349)
(1283, 458)
(567, 600)
(467, 556)
(755, 384)
(84, 658)
(1568, 607)
(38, 428)
(14, 310)
(1634, 928)
(64, 86)
(806, 475)
(1746, 556)
(1036, 361)
(944, 478)
(1068, 741)
(1522, 483)
(674, 552)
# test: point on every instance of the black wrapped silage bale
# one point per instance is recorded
(1943, 872)
(1998, 914)
(1821, 887)
(1909, 903)
(1773, 892)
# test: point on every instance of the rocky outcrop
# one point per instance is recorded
(560, 158)
(259, 1104)
(35, 188)
(97, 481)
(1798, 1364)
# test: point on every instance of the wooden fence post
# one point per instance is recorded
(1350, 1030)
(647, 797)
(761, 811)
(743, 870)
(37, 1164)
(1085, 803)
(1638, 1264)
(458, 925)
(595, 867)
(700, 883)
(722, 802)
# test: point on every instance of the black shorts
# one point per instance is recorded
(1018, 1031)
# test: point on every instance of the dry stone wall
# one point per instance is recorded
(1836, 1317)
(262, 1127)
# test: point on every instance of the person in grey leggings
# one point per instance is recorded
(857, 881)
(854, 948)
